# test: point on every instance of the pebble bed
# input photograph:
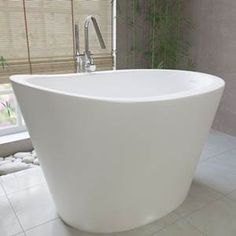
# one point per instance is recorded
(17, 162)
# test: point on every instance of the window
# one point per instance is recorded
(11, 120)
(38, 37)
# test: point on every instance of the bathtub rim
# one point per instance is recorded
(217, 84)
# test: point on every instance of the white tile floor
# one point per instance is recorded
(26, 207)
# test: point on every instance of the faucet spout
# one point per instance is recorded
(87, 22)
(84, 61)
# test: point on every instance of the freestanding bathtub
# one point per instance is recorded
(118, 148)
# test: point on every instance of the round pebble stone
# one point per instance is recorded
(34, 154)
(36, 161)
(4, 162)
(28, 159)
(18, 160)
(21, 154)
(9, 158)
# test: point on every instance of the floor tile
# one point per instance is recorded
(232, 195)
(9, 183)
(204, 210)
(216, 175)
(217, 143)
(227, 159)
(9, 224)
(35, 174)
(33, 206)
(180, 228)
(22, 180)
(198, 196)
(153, 227)
(216, 219)
(58, 228)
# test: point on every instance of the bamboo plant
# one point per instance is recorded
(10, 111)
(3, 62)
(166, 47)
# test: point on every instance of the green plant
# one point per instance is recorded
(166, 46)
(3, 62)
(10, 111)
(8, 108)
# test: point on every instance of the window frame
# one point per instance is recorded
(20, 126)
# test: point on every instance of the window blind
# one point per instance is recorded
(37, 36)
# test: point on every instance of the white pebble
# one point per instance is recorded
(1, 158)
(34, 155)
(18, 160)
(22, 154)
(28, 159)
(12, 167)
(36, 161)
(9, 158)
(4, 162)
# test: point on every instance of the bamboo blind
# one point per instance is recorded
(37, 36)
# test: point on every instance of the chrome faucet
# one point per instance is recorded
(84, 61)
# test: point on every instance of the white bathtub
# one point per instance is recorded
(118, 148)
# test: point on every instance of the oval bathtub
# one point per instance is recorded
(118, 148)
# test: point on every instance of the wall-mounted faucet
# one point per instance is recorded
(85, 61)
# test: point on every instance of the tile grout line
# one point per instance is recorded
(215, 155)
(4, 192)
(224, 195)
(9, 201)
(167, 225)
(19, 234)
(24, 231)
(14, 212)
(203, 233)
(23, 189)
(36, 226)
(184, 219)
(4, 186)
(186, 216)
(229, 192)
(212, 190)
(181, 218)
(208, 204)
